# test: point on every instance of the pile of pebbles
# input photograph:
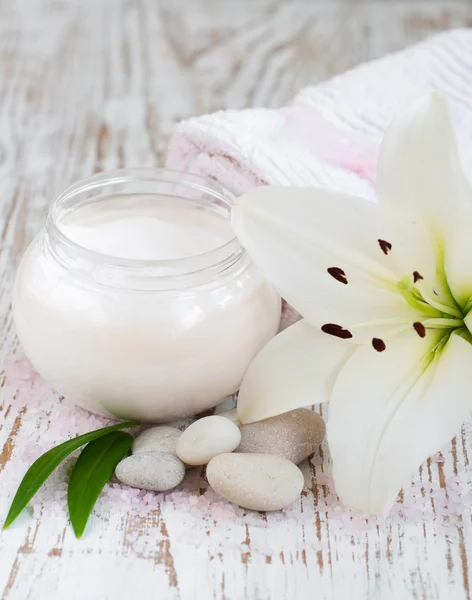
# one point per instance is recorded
(253, 465)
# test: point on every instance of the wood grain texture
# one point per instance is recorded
(88, 85)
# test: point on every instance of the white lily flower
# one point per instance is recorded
(385, 291)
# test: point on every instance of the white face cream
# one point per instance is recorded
(147, 228)
(137, 301)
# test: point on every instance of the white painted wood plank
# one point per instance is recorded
(87, 86)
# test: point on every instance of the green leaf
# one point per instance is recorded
(40, 470)
(94, 467)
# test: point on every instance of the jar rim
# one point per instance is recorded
(212, 261)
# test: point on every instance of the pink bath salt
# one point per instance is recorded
(32, 451)
(455, 507)
(335, 525)
(154, 503)
(346, 520)
(466, 499)
(254, 519)
(223, 514)
(181, 503)
(139, 510)
(350, 520)
(210, 495)
(439, 494)
(124, 496)
(359, 524)
(455, 492)
(203, 504)
(196, 512)
(275, 517)
(316, 460)
(337, 509)
(17, 368)
(288, 511)
(411, 513)
(326, 479)
(417, 493)
(262, 549)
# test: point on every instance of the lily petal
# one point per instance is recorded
(337, 259)
(296, 368)
(390, 411)
(457, 258)
(419, 169)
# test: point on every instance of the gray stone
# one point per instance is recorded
(160, 439)
(256, 481)
(207, 438)
(156, 471)
(293, 435)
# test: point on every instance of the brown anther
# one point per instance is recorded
(338, 274)
(420, 329)
(378, 344)
(385, 246)
(337, 331)
(417, 276)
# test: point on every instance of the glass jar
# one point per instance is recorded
(152, 340)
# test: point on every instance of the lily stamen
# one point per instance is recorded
(443, 323)
(444, 308)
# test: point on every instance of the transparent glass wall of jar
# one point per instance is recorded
(152, 340)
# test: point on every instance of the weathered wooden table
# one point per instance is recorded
(88, 85)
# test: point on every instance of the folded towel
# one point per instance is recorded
(329, 137)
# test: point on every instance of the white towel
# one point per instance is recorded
(330, 135)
